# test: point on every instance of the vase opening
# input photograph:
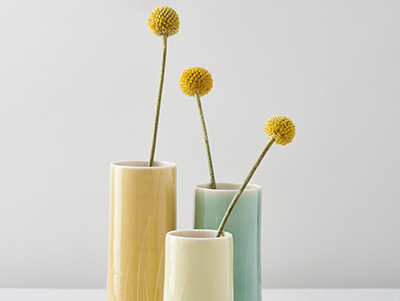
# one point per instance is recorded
(227, 186)
(197, 234)
(143, 164)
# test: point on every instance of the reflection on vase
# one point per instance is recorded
(245, 226)
(142, 211)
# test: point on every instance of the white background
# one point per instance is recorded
(78, 88)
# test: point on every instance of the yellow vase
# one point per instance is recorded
(142, 211)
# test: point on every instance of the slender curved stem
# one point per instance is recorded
(203, 126)
(160, 88)
(242, 187)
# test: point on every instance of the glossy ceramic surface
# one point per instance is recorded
(198, 266)
(245, 226)
(142, 211)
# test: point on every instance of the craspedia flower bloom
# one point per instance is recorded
(163, 20)
(281, 128)
(195, 80)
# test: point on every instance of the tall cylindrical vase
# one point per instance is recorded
(198, 266)
(245, 226)
(142, 211)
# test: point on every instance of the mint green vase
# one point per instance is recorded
(245, 226)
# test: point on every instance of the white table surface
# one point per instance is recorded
(25, 294)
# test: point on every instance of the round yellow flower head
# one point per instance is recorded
(281, 128)
(196, 79)
(163, 20)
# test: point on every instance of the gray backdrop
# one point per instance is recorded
(78, 87)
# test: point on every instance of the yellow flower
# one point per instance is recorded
(196, 80)
(163, 20)
(281, 128)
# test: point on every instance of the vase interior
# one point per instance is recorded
(197, 234)
(142, 164)
(227, 186)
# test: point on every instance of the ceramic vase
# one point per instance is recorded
(142, 211)
(244, 224)
(198, 266)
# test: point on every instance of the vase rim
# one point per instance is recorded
(227, 186)
(142, 164)
(198, 234)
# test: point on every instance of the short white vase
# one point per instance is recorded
(198, 266)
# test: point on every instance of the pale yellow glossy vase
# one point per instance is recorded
(198, 266)
(142, 211)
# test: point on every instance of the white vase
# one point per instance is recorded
(198, 266)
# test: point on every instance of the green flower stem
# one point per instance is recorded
(160, 88)
(242, 187)
(203, 125)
